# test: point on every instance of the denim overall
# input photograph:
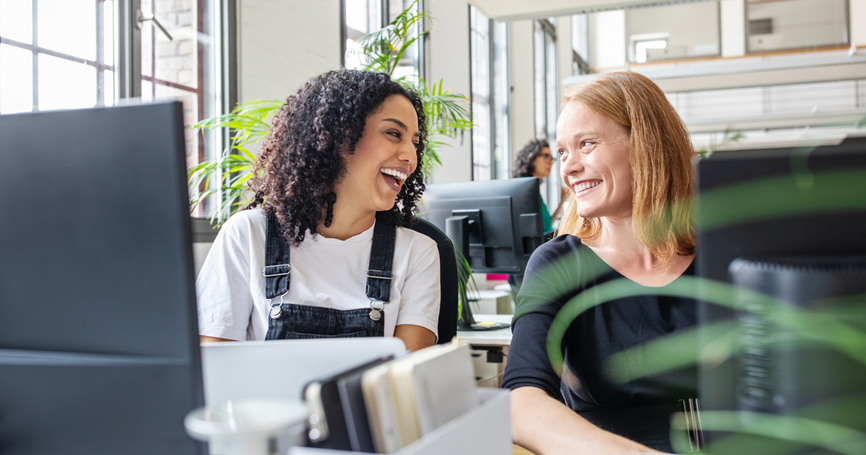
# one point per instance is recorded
(292, 321)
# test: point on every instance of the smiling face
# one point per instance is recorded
(542, 164)
(384, 157)
(593, 152)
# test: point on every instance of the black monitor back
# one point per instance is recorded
(98, 331)
(504, 220)
(776, 207)
(817, 223)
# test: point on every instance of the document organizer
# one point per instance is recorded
(484, 429)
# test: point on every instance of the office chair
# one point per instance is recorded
(447, 278)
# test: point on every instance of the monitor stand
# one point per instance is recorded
(457, 229)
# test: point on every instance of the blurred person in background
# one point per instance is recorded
(535, 160)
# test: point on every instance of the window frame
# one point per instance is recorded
(580, 63)
(473, 153)
(384, 19)
(35, 49)
(546, 101)
(129, 75)
(498, 136)
(501, 168)
(216, 97)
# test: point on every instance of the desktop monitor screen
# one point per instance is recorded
(789, 224)
(99, 347)
(497, 221)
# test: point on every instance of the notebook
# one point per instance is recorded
(338, 416)
(381, 409)
(431, 387)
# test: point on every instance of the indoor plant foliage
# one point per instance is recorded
(447, 114)
(248, 123)
(730, 136)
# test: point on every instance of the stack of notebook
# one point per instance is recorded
(387, 404)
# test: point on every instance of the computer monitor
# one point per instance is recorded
(790, 224)
(99, 349)
(496, 224)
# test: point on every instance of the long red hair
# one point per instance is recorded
(660, 154)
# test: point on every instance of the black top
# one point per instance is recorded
(638, 409)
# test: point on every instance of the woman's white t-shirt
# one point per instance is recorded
(325, 272)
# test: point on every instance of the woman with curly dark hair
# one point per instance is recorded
(535, 160)
(321, 251)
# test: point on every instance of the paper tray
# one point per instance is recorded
(485, 429)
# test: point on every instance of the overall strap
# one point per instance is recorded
(381, 259)
(277, 266)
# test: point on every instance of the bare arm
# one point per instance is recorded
(547, 427)
(204, 338)
(415, 337)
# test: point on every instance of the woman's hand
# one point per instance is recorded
(547, 427)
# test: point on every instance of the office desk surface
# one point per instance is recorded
(501, 337)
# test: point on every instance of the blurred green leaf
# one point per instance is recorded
(801, 430)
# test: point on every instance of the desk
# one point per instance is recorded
(501, 337)
(494, 342)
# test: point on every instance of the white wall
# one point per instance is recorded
(857, 13)
(607, 30)
(691, 28)
(282, 43)
(522, 90)
(564, 53)
(799, 24)
(607, 39)
(448, 59)
(733, 28)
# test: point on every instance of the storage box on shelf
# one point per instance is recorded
(486, 429)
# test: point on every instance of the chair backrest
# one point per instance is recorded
(447, 277)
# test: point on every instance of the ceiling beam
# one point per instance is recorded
(511, 10)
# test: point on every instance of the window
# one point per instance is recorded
(479, 57)
(66, 54)
(412, 61)
(547, 99)
(501, 103)
(55, 54)
(362, 17)
(795, 24)
(580, 44)
(367, 16)
(673, 32)
(491, 155)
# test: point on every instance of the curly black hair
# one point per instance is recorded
(302, 156)
(526, 156)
